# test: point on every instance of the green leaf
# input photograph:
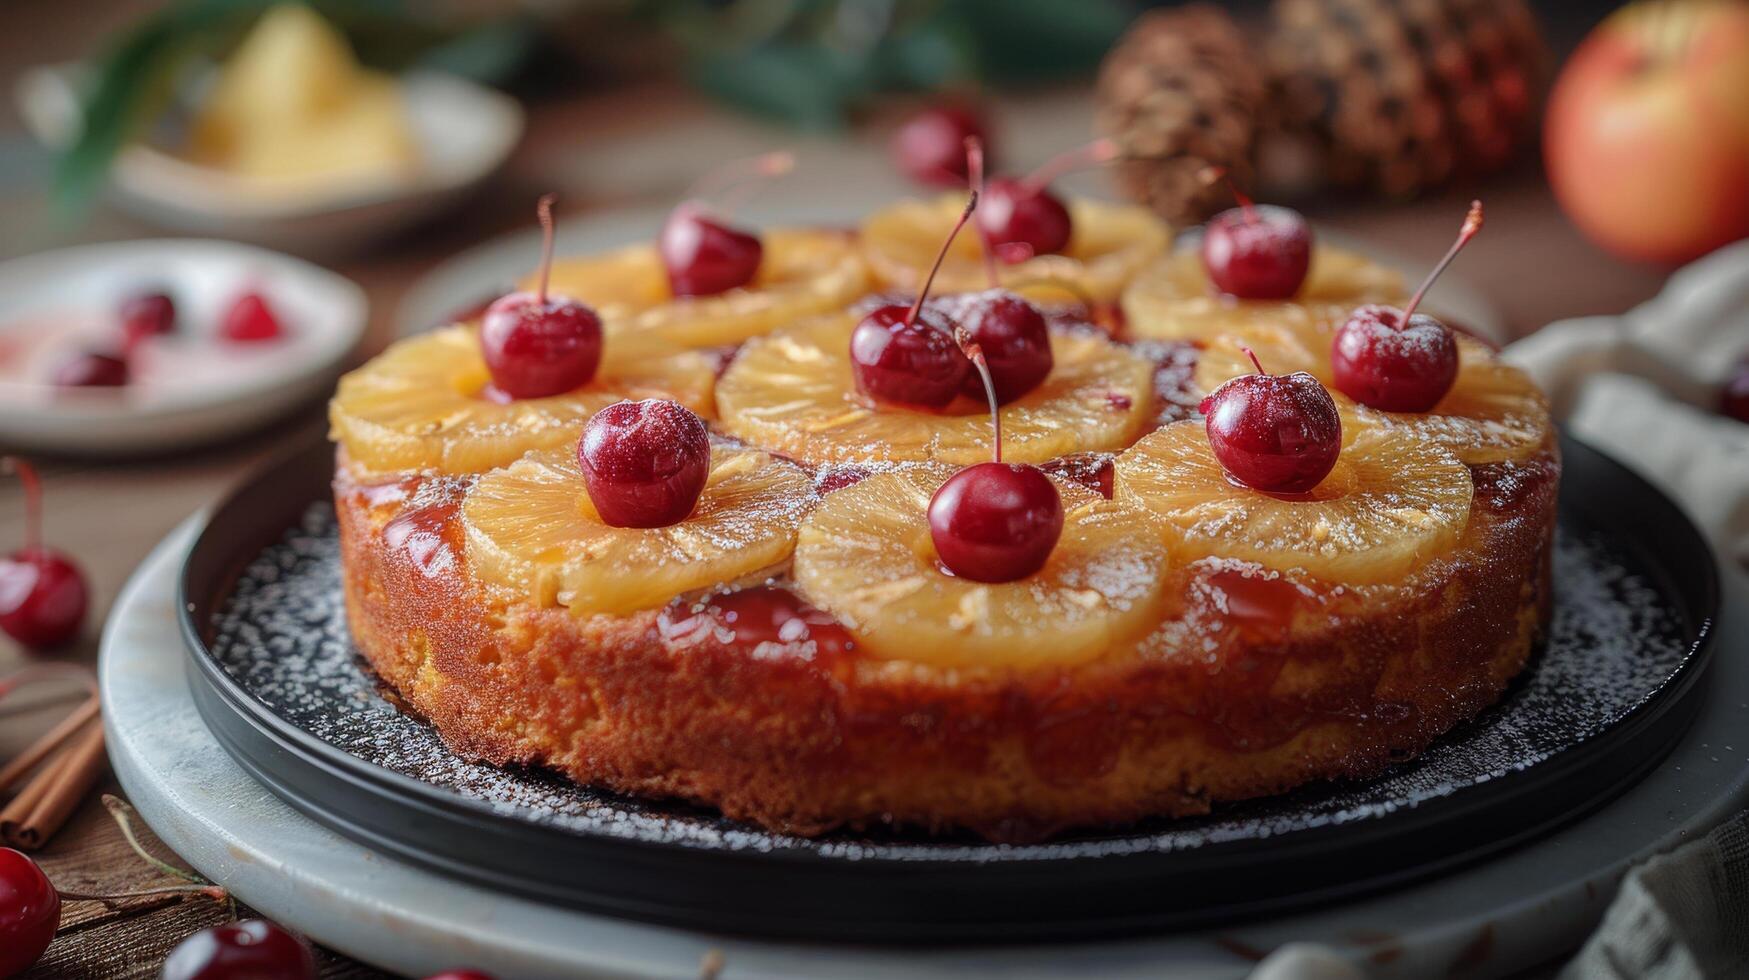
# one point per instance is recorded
(803, 85)
(491, 53)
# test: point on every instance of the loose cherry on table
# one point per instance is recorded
(254, 949)
(146, 315)
(704, 256)
(93, 369)
(644, 463)
(537, 345)
(30, 911)
(1022, 218)
(908, 355)
(1399, 360)
(1275, 433)
(42, 592)
(250, 319)
(995, 522)
(1253, 252)
(930, 146)
(1011, 332)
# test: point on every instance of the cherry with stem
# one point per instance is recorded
(1256, 253)
(535, 344)
(994, 522)
(43, 594)
(1023, 218)
(1275, 433)
(1401, 360)
(908, 355)
(703, 256)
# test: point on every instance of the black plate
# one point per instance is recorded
(276, 678)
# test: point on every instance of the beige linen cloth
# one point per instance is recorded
(1643, 387)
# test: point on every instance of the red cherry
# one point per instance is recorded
(1398, 360)
(250, 319)
(1022, 218)
(704, 257)
(30, 911)
(994, 522)
(907, 359)
(92, 369)
(536, 345)
(644, 463)
(1257, 252)
(1734, 396)
(254, 949)
(1013, 335)
(147, 315)
(1275, 433)
(929, 147)
(42, 592)
(1380, 361)
(908, 355)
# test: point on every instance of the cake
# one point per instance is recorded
(795, 645)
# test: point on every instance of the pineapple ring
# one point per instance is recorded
(804, 272)
(793, 392)
(532, 527)
(1108, 245)
(419, 404)
(1172, 300)
(1493, 413)
(866, 556)
(1391, 503)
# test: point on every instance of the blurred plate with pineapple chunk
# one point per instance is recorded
(290, 143)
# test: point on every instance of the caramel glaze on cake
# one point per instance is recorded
(1253, 683)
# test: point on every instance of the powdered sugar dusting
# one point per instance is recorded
(283, 637)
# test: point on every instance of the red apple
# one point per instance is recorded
(1647, 134)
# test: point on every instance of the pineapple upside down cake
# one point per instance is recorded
(711, 520)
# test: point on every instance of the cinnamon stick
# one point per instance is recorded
(64, 781)
(51, 740)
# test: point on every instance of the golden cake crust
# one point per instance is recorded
(1253, 683)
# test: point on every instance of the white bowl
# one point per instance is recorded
(201, 388)
(464, 132)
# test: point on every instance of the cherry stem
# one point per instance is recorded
(33, 500)
(122, 813)
(1213, 175)
(213, 892)
(971, 349)
(1254, 361)
(975, 175)
(1472, 224)
(544, 210)
(1092, 155)
(726, 175)
(940, 257)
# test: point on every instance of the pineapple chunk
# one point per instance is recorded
(1109, 245)
(804, 272)
(422, 404)
(793, 392)
(866, 556)
(1391, 502)
(1493, 413)
(1172, 299)
(292, 104)
(531, 527)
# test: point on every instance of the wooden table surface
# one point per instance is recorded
(627, 148)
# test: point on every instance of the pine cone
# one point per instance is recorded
(1182, 91)
(1402, 95)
